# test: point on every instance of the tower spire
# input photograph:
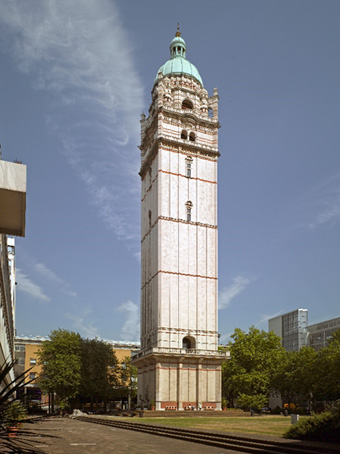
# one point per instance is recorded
(178, 33)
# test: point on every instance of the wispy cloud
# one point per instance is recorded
(80, 55)
(49, 274)
(25, 285)
(329, 214)
(320, 206)
(80, 324)
(264, 319)
(227, 294)
(130, 329)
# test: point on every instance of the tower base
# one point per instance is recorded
(179, 381)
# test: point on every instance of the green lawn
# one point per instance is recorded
(262, 425)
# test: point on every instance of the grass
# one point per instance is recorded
(275, 425)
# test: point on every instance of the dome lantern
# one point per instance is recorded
(178, 63)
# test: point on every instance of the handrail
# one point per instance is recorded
(180, 351)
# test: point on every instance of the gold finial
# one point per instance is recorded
(178, 33)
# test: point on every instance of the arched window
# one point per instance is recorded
(184, 134)
(192, 137)
(188, 342)
(186, 104)
(210, 112)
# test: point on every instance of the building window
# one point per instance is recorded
(188, 161)
(188, 343)
(189, 208)
(21, 361)
(192, 137)
(150, 214)
(33, 361)
(184, 134)
(33, 375)
(186, 104)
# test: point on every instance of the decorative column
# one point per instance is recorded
(179, 385)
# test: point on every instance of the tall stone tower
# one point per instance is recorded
(179, 363)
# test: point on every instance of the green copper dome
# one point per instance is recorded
(178, 64)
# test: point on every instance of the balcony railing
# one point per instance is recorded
(180, 351)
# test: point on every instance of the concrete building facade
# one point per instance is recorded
(179, 363)
(295, 332)
(7, 297)
(319, 334)
(12, 222)
(26, 355)
(292, 328)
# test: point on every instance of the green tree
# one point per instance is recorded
(250, 372)
(60, 358)
(295, 378)
(128, 379)
(327, 371)
(99, 370)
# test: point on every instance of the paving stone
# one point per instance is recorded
(77, 437)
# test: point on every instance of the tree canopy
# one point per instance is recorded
(259, 365)
(249, 373)
(327, 370)
(76, 367)
(295, 376)
(128, 377)
(61, 364)
(99, 369)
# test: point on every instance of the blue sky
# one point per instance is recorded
(75, 77)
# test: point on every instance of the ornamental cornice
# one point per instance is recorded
(149, 130)
(192, 147)
(149, 357)
(180, 221)
(179, 114)
(192, 153)
(184, 331)
(182, 147)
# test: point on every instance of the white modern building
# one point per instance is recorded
(12, 198)
(12, 222)
(292, 328)
(179, 364)
(295, 332)
(319, 334)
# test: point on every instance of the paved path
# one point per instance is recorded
(67, 436)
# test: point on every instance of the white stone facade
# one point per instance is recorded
(179, 363)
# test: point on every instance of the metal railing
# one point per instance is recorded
(180, 351)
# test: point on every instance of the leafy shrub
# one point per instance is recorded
(256, 402)
(224, 402)
(13, 414)
(276, 411)
(322, 427)
(301, 411)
